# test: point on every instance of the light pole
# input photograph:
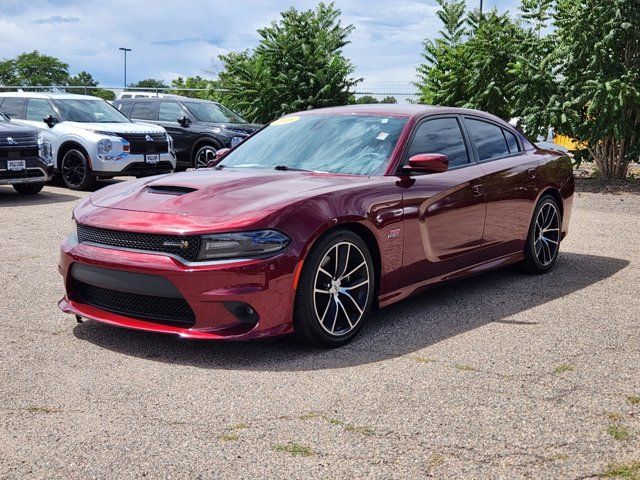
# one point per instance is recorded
(125, 50)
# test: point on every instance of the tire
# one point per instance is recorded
(204, 154)
(28, 188)
(326, 313)
(75, 171)
(543, 241)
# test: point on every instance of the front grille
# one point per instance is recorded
(173, 311)
(143, 169)
(28, 173)
(141, 145)
(185, 246)
(12, 153)
(20, 139)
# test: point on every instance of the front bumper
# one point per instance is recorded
(133, 165)
(263, 284)
(37, 171)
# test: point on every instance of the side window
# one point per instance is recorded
(14, 107)
(144, 111)
(170, 112)
(38, 108)
(440, 135)
(125, 108)
(488, 139)
(511, 141)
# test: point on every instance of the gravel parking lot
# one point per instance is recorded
(503, 376)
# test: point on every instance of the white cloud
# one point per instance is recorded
(182, 38)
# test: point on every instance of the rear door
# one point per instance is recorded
(144, 112)
(444, 212)
(509, 183)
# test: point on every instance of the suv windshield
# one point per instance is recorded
(89, 111)
(353, 144)
(213, 112)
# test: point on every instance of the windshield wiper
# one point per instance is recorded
(284, 168)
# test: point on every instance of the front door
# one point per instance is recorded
(168, 114)
(444, 212)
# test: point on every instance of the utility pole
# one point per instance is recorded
(125, 50)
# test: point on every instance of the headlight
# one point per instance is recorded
(170, 142)
(242, 244)
(104, 146)
(45, 150)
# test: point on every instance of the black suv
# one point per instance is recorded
(198, 127)
(25, 160)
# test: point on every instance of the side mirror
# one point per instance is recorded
(50, 121)
(428, 163)
(219, 156)
(184, 121)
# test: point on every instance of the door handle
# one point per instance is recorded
(532, 172)
(476, 190)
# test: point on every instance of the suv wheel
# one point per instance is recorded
(28, 188)
(75, 171)
(204, 155)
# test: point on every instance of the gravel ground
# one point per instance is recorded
(500, 376)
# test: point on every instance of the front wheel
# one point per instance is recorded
(75, 171)
(543, 241)
(28, 188)
(204, 155)
(335, 292)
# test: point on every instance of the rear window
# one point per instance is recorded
(14, 107)
(488, 138)
(511, 141)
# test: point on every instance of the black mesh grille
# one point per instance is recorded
(19, 152)
(183, 246)
(160, 309)
(140, 143)
(29, 173)
(142, 168)
(18, 139)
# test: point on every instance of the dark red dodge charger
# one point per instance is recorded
(313, 221)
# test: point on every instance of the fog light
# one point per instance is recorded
(242, 311)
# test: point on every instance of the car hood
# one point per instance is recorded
(117, 127)
(220, 195)
(7, 128)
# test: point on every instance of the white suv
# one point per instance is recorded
(90, 138)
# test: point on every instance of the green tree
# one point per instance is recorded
(389, 99)
(598, 58)
(32, 69)
(366, 99)
(151, 83)
(297, 65)
(210, 87)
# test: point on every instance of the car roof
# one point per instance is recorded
(49, 95)
(160, 99)
(400, 110)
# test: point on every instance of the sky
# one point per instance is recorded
(184, 37)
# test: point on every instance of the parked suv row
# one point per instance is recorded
(90, 138)
(199, 127)
(25, 158)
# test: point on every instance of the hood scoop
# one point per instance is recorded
(170, 189)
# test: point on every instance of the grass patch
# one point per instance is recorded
(229, 437)
(560, 457)
(368, 431)
(615, 417)
(239, 426)
(43, 410)
(630, 471)
(295, 449)
(465, 368)
(435, 461)
(309, 416)
(619, 432)
(634, 399)
(423, 360)
(563, 368)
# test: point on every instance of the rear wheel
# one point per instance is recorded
(75, 171)
(543, 241)
(28, 188)
(204, 155)
(335, 291)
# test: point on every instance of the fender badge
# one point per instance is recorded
(394, 233)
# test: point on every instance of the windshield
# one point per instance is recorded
(353, 144)
(213, 112)
(89, 111)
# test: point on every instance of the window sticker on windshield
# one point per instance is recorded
(285, 120)
(384, 120)
(382, 136)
